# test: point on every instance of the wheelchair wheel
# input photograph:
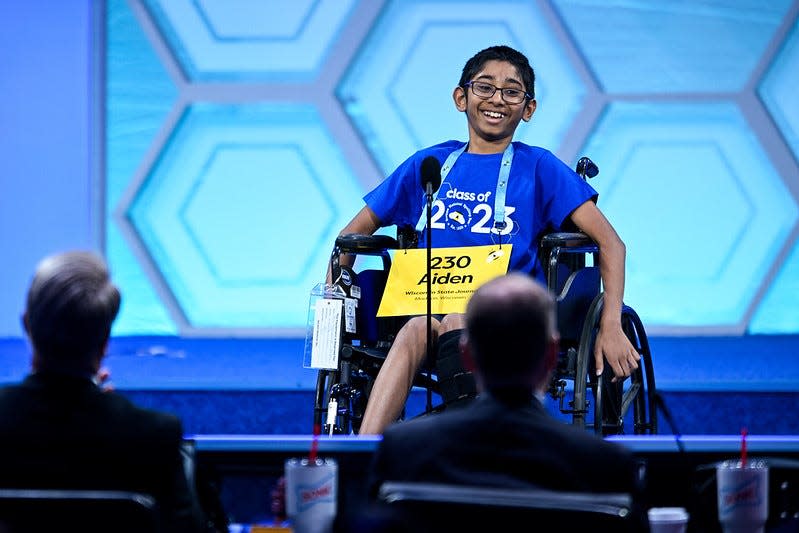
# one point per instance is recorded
(616, 406)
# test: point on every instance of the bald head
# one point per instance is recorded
(71, 305)
(511, 331)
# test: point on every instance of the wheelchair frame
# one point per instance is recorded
(341, 394)
(579, 294)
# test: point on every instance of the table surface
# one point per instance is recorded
(638, 443)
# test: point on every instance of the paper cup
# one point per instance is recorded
(742, 496)
(668, 520)
(311, 494)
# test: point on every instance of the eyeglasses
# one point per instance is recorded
(485, 90)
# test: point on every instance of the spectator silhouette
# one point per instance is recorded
(60, 429)
(505, 437)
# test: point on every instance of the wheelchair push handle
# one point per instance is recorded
(586, 168)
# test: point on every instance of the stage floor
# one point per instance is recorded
(751, 363)
(258, 386)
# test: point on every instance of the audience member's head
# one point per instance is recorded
(70, 307)
(511, 336)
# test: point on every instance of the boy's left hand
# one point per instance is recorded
(613, 346)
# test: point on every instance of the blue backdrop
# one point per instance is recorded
(241, 136)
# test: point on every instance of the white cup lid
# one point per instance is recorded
(668, 514)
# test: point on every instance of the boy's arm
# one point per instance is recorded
(611, 342)
(365, 222)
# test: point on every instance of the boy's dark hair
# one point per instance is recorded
(71, 305)
(500, 53)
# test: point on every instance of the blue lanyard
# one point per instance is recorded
(502, 185)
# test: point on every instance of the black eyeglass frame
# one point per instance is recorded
(527, 96)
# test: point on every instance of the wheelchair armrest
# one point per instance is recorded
(567, 240)
(365, 244)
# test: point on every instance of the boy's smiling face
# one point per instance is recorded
(492, 121)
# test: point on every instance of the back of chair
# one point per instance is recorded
(419, 506)
(43, 510)
(563, 257)
(579, 292)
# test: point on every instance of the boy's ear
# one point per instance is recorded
(529, 109)
(459, 97)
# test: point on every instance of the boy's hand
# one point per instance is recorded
(613, 346)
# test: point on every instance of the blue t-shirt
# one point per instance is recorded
(541, 193)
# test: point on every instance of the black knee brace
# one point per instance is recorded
(455, 383)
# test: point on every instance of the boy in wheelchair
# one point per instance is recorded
(492, 191)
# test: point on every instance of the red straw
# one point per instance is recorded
(317, 429)
(743, 447)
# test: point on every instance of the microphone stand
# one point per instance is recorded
(429, 207)
(661, 404)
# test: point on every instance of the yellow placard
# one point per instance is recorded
(455, 275)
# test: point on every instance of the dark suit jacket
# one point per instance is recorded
(61, 431)
(510, 444)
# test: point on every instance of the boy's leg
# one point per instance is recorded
(394, 381)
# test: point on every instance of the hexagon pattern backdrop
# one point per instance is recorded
(241, 136)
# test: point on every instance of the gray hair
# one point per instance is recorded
(70, 308)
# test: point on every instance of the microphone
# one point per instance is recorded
(431, 174)
(431, 181)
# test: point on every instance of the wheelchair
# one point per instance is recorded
(572, 273)
(341, 394)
